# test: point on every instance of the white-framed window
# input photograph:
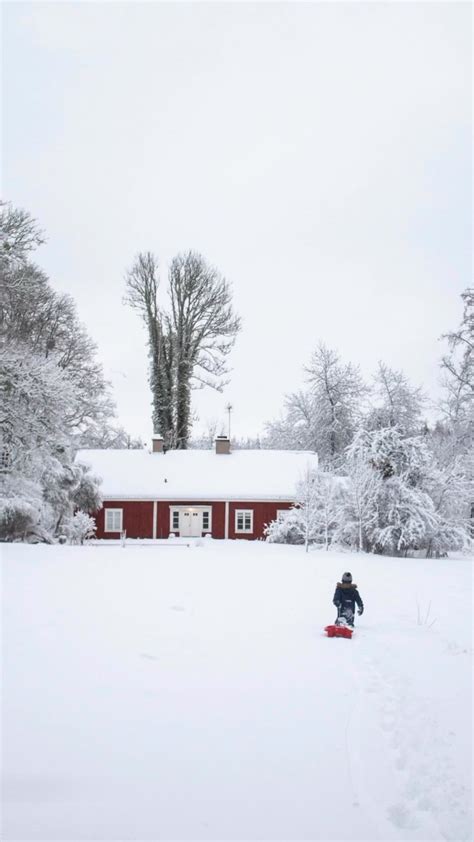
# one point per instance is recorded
(175, 520)
(206, 520)
(113, 520)
(243, 520)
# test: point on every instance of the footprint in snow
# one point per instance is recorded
(177, 608)
(148, 657)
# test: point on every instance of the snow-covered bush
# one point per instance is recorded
(406, 515)
(313, 518)
(21, 506)
(80, 528)
(288, 529)
(18, 518)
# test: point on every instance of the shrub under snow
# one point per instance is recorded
(18, 518)
(288, 529)
(80, 528)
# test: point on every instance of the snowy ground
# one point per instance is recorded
(173, 692)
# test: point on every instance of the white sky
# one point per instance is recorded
(318, 153)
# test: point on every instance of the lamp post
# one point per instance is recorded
(229, 409)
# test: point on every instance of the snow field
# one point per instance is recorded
(172, 692)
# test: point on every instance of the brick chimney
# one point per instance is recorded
(157, 444)
(222, 444)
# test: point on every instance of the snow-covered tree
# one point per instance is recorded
(357, 513)
(37, 408)
(52, 391)
(66, 487)
(450, 484)
(109, 436)
(386, 507)
(313, 518)
(324, 416)
(395, 402)
(458, 376)
(19, 234)
(405, 517)
(37, 404)
(80, 528)
(34, 316)
(297, 428)
(338, 392)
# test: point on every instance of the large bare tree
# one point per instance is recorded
(205, 328)
(190, 344)
(142, 282)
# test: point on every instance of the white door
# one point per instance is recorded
(190, 524)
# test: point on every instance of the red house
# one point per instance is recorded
(193, 493)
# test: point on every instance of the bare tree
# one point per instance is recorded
(189, 345)
(205, 328)
(142, 284)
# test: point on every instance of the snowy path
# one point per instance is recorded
(158, 693)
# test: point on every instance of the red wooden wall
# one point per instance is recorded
(218, 516)
(138, 518)
(263, 513)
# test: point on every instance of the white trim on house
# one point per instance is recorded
(112, 517)
(245, 516)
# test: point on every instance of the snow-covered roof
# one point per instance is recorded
(243, 475)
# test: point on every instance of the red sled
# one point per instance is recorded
(338, 631)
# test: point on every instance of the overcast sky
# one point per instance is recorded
(319, 154)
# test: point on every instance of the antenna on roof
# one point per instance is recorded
(229, 409)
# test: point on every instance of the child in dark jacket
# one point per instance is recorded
(345, 597)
